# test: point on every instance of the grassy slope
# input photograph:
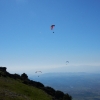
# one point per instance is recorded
(11, 89)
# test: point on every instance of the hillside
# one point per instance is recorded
(16, 87)
(11, 89)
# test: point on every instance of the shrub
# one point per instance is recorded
(67, 97)
(24, 76)
(49, 90)
(59, 94)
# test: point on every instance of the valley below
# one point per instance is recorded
(81, 86)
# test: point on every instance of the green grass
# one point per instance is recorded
(11, 89)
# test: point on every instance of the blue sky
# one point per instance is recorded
(27, 43)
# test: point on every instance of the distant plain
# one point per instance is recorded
(81, 86)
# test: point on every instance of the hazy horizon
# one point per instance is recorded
(28, 44)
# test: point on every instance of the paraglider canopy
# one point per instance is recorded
(67, 62)
(52, 26)
(38, 71)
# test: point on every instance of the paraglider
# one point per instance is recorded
(52, 27)
(67, 62)
(38, 72)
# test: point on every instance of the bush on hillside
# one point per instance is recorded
(49, 90)
(59, 94)
(67, 97)
(24, 76)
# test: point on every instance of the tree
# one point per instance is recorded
(67, 97)
(39, 85)
(17, 76)
(59, 94)
(49, 90)
(24, 76)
